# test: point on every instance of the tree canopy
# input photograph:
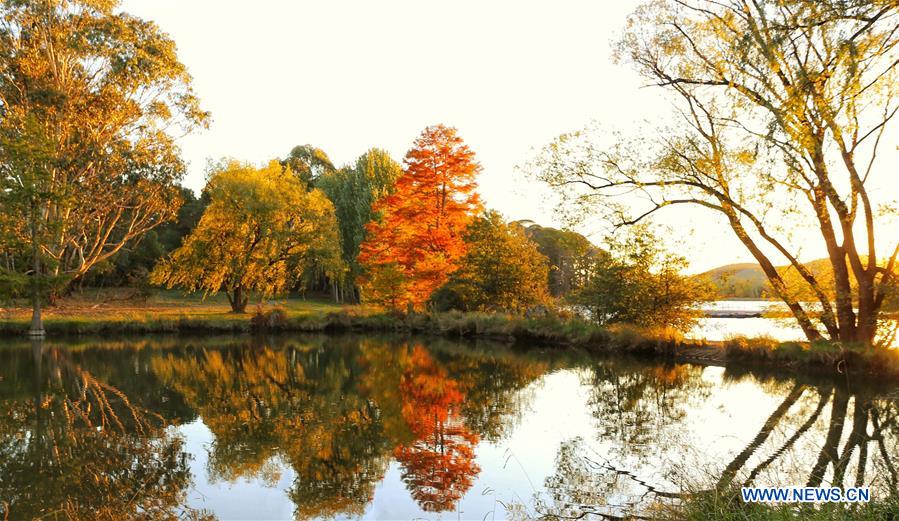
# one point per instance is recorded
(355, 191)
(570, 256)
(780, 111)
(260, 230)
(418, 243)
(502, 270)
(308, 163)
(90, 98)
(637, 282)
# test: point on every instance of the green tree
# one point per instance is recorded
(501, 270)
(308, 163)
(570, 256)
(639, 283)
(101, 89)
(262, 228)
(354, 191)
(26, 150)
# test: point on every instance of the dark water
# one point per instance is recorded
(397, 428)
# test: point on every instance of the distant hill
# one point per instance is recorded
(744, 280)
(747, 280)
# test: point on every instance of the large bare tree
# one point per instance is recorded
(781, 109)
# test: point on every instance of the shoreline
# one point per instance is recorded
(560, 332)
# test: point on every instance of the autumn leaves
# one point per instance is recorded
(412, 250)
(261, 229)
(265, 227)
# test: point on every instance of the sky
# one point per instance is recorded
(346, 76)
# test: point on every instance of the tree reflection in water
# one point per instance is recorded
(819, 434)
(85, 430)
(297, 405)
(634, 403)
(438, 467)
(337, 412)
(863, 456)
(80, 448)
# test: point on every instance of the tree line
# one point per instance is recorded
(409, 237)
(92, 101)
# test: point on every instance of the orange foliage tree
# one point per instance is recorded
(416, 245)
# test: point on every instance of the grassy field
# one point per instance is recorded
(97, 311)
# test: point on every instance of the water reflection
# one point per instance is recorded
(818, 433)
(842, 458)
(298, 405)
(317, 408)
(73, 444)
(438, 465)
(355, 427)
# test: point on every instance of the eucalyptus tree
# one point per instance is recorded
(782, 108)
(91, 100)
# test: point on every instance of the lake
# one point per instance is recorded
(723, 321)
(347, 427)
(718, 328)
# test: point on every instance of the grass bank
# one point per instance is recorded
(170, 312)
(99, 312)
(117, 311)
(829, 356)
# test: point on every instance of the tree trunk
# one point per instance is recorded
(37, 322)
(867, 310)
(238, 300)
(774, 278)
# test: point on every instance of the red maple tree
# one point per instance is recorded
(416, 245)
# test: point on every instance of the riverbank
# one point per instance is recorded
(171, 313)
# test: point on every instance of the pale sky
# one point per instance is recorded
(346, 76)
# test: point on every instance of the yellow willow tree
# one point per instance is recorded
(781, 108)
(90, 102)
(262, 228)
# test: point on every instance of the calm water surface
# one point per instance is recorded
(783, 329)
(353, 427)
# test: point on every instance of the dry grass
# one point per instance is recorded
(827, 356)
(167, 311)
